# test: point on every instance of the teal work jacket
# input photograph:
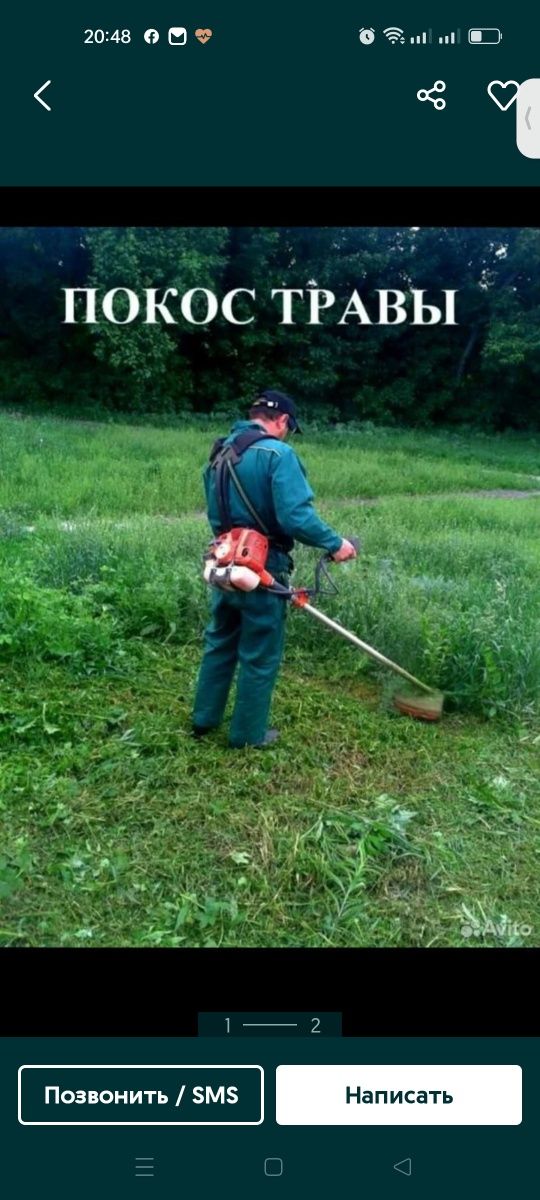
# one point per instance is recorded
(275, 481)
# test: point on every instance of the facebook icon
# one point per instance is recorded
(152, 36)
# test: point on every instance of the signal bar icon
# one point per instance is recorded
(394, 34)
(422, 39)
(450, 39)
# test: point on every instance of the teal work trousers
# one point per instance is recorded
(246, 630)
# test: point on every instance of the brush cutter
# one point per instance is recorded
(426, 707)
(236, 560)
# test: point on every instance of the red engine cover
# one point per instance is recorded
(244, 547)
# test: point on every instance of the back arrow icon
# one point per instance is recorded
(37, 95)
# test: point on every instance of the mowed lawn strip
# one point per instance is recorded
(360, 829)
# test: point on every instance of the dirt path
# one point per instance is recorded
(370, 501)
(200, 514)
(486, 494)
(499, 494)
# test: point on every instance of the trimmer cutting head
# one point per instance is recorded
(423, 706)
(419, 700)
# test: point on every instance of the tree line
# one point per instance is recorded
(484, 372)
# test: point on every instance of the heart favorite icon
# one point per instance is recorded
(203, 35)
(497, 85)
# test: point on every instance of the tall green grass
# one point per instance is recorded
(450, 590)
(60, 468)
(447, 588)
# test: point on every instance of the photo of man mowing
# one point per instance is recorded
(255, 482)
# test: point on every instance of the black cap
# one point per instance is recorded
(278, 402)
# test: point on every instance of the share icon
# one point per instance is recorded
(428, 94)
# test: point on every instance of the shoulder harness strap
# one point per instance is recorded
(223, 460)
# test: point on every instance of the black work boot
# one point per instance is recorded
(200, 731)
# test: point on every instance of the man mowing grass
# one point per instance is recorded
(266, 491)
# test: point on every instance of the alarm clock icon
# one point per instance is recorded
(367, 36)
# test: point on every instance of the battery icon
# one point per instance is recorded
(485, 37)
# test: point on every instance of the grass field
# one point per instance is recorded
(361, 827)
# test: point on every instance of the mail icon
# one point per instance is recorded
(177, 36)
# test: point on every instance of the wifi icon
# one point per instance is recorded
(394, 34)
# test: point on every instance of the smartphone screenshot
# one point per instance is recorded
(269, 600)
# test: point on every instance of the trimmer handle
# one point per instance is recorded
(322, 577)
